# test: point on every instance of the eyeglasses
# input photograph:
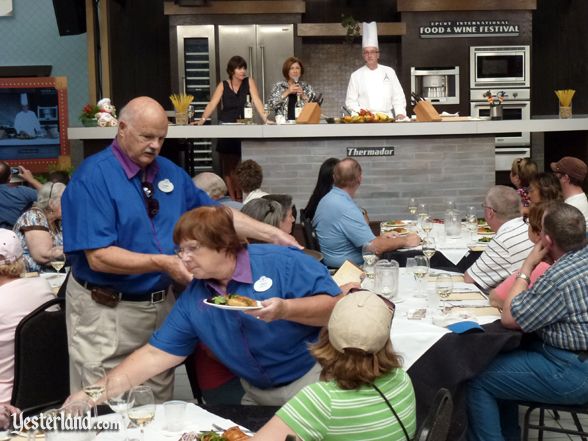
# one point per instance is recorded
(184, 251)
(152, 203)
(483, 205)
(371, 52)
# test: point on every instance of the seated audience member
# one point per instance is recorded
(294, 308)
(15, 199)
(361, 381)
(339, 223)
(509, 247)
(288, 209)
(498, 294)
(324, 184)
(545, 188)
(39, 229)
(216, 188)
(522, 172)
(571, 173)
(270, 212)
(249, 176)
(18, 297)
(554, 368)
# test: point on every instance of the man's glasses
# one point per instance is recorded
(152, 203)
(371, 52)
(488, 207)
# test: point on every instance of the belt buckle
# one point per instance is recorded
(158, 296)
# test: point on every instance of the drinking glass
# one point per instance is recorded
(429, 248)
(417, 265)
(117, 396)
(143, 410)
(422, 210)
(427, 224)
(412, 206)
(472, 224)
(92, 373)
(444, 288)
(369, 260)
(58, 262)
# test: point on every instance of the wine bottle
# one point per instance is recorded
(248, 110)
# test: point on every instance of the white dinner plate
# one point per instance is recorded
(233, 308)
(232, 124)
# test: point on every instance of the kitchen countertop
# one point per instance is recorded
(474, 127)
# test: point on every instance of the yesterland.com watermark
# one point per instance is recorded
(59, 421)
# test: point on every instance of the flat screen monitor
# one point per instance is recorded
(33, 121)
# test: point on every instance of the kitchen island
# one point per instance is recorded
(434, 162)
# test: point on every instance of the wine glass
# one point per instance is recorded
(419, 268)
(444, 287)
(58, 262)
(429, 248)
(92, 373)
(369, 259)
(427, 224)
(143, 410)
(412, 206)
(422, 211)
(117, 396)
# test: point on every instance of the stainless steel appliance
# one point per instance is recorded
(516, 106)
(437, 84)
(265, 47)
(500, 66)
(504, 156)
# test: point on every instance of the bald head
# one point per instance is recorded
(142, 130)
(347, 173)
(211, 183)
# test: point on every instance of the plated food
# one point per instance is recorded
(484, 239)
(235, 302)
(365, 116)
(231, 434)
(395, 223)
(485, 230)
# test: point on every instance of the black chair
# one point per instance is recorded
(541, 426)
(310, 239)
(435, 427)
(41, 360)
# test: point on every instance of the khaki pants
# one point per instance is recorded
(278, 396)
(98, 333)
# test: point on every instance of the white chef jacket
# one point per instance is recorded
(376, 90)
(27, 122)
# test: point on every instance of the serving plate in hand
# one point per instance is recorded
(232, 308)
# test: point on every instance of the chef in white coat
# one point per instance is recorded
(375, 87)
(26, 122)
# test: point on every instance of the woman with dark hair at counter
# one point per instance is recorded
(284, 94)
(232, 96)
(324, 184)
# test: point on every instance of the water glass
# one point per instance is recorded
(386, 278)
(444, 287)
(452, 223)
(174, 415)
(419, 268)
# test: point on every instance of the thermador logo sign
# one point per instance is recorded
(370, 151)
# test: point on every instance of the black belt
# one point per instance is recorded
(153, 297)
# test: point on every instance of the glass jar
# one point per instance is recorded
(452, 223)
(386, 281)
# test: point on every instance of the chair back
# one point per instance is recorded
(41, 360)
(435, 427)
(310, 238)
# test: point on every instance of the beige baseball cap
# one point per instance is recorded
(10, 248)
(361, 320)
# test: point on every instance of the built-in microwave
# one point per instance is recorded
(500, 66)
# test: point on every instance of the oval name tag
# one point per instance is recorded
(166, 186)
(263, 284)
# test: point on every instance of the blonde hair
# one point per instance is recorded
(525, 169)
(49, 194)
(353, 368)
(14, 269)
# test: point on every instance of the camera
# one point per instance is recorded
(14, 170)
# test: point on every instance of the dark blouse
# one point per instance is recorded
(232, 104)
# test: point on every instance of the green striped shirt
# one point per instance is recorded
(323, 411)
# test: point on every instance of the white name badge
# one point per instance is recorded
(263, 284)
(166, 186)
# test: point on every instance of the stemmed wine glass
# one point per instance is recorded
(412, 206)
(444, 288)
(422, 211)
(92, 373)
(369, 260)
(427, 224)
(58, 262)
(429, 248)
(143, 410)
(117, 396)
(417, 265)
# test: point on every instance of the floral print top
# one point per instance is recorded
(278, 104)
(524, 194)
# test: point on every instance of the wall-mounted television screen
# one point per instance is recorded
(33, 121)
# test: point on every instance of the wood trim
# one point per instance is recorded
(106, 74)
(91, 52)
(465, 5)
(336, 30)
(238, 7)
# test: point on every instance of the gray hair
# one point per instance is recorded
(505, 201)
(566, 226)
(49, 194)
(211, 183)
(264, 210)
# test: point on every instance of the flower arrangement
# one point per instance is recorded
(495, 100)
(103, 114)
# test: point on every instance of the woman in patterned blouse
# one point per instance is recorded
(283, 97)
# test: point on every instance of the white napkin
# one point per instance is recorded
(412, 338)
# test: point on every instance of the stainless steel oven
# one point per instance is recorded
(500, 66)
(516, 106)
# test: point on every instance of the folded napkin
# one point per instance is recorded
(466, 295)
(483, 310)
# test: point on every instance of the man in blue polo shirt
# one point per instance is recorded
(14, 200)
(340, 225)
(119, 211)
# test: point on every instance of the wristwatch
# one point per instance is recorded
(524, 277)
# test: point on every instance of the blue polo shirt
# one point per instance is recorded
(102, 206)
(265, 354)
(340, 228)
(13, 202)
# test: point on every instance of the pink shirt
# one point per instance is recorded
(503, 288)
(17, 299)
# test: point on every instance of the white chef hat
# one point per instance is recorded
(24, 99)
(370, 35)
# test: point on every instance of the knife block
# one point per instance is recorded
(311, 114)
(425, 112)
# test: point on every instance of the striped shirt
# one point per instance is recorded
(556, 307)
(323, 411)
(503, 255)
